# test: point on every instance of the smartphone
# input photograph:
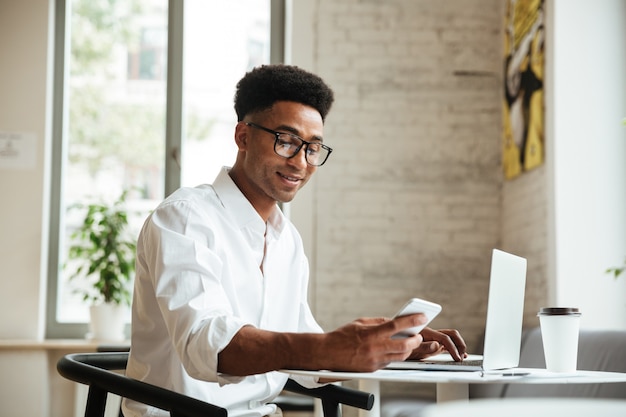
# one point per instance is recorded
(416, 305)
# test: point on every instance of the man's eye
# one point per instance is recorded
(288, 140)
(285, 144)
(314, 148)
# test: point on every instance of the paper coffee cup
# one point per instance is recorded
(559, 332)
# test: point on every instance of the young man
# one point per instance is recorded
(220, 300)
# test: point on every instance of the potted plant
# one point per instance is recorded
(102, 256)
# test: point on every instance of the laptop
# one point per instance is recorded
(503, 329)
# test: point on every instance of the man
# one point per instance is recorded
(220, 300)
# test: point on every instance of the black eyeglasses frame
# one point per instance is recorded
(304, 144)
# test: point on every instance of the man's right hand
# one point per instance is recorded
(366, 344)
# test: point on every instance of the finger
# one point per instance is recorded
(372, 321)
(398, 324)
(426, 349)
(409, 344)
(458, 341)
(448, 338)
(402, 348)
(429, 348)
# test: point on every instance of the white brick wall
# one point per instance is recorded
(525, 231)
(412, 200)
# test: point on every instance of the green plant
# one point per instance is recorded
(104, 253)
(616, 271)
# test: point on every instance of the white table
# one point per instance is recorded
(525, 407)
(454, 386)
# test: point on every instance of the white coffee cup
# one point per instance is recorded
(559, 332)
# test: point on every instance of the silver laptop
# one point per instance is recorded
(503, 330)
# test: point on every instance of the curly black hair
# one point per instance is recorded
(260, 88)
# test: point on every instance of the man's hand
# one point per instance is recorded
(438, 341)
(366, 344)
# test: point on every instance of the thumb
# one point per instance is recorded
(431, 347)
(426, 349)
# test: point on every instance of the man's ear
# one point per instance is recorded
(241, 136)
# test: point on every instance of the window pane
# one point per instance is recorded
(116, 118)
(217, 55)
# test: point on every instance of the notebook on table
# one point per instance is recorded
(503, 329)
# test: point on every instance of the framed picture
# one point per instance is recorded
(523, 113)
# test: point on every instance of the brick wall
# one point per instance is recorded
(412, 201)
(525, 232)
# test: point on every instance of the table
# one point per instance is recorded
(525, 407)
(454, 386)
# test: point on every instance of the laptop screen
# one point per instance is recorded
(505, 311)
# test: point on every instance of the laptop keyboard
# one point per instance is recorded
(476, 362)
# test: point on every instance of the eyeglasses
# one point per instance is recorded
(288, 145)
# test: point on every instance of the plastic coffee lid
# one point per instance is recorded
(559, 311)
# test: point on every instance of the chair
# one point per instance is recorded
(95, 370)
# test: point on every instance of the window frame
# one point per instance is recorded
(173, 134)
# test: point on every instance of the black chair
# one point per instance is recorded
(95, 370)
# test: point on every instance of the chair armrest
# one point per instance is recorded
(334, 393)
(93, 369)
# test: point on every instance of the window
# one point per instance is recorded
(116, 116)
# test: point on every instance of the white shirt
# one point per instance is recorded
(199, 280)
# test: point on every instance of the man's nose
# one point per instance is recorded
(299, 159)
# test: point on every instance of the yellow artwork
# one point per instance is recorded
(523, 145)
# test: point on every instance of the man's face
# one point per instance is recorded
(269, 177)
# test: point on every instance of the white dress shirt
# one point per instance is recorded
(199, 280)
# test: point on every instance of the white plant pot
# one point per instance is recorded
(108, 321)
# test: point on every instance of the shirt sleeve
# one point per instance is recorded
(186, 274)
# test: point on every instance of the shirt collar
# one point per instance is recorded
(241, 209)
